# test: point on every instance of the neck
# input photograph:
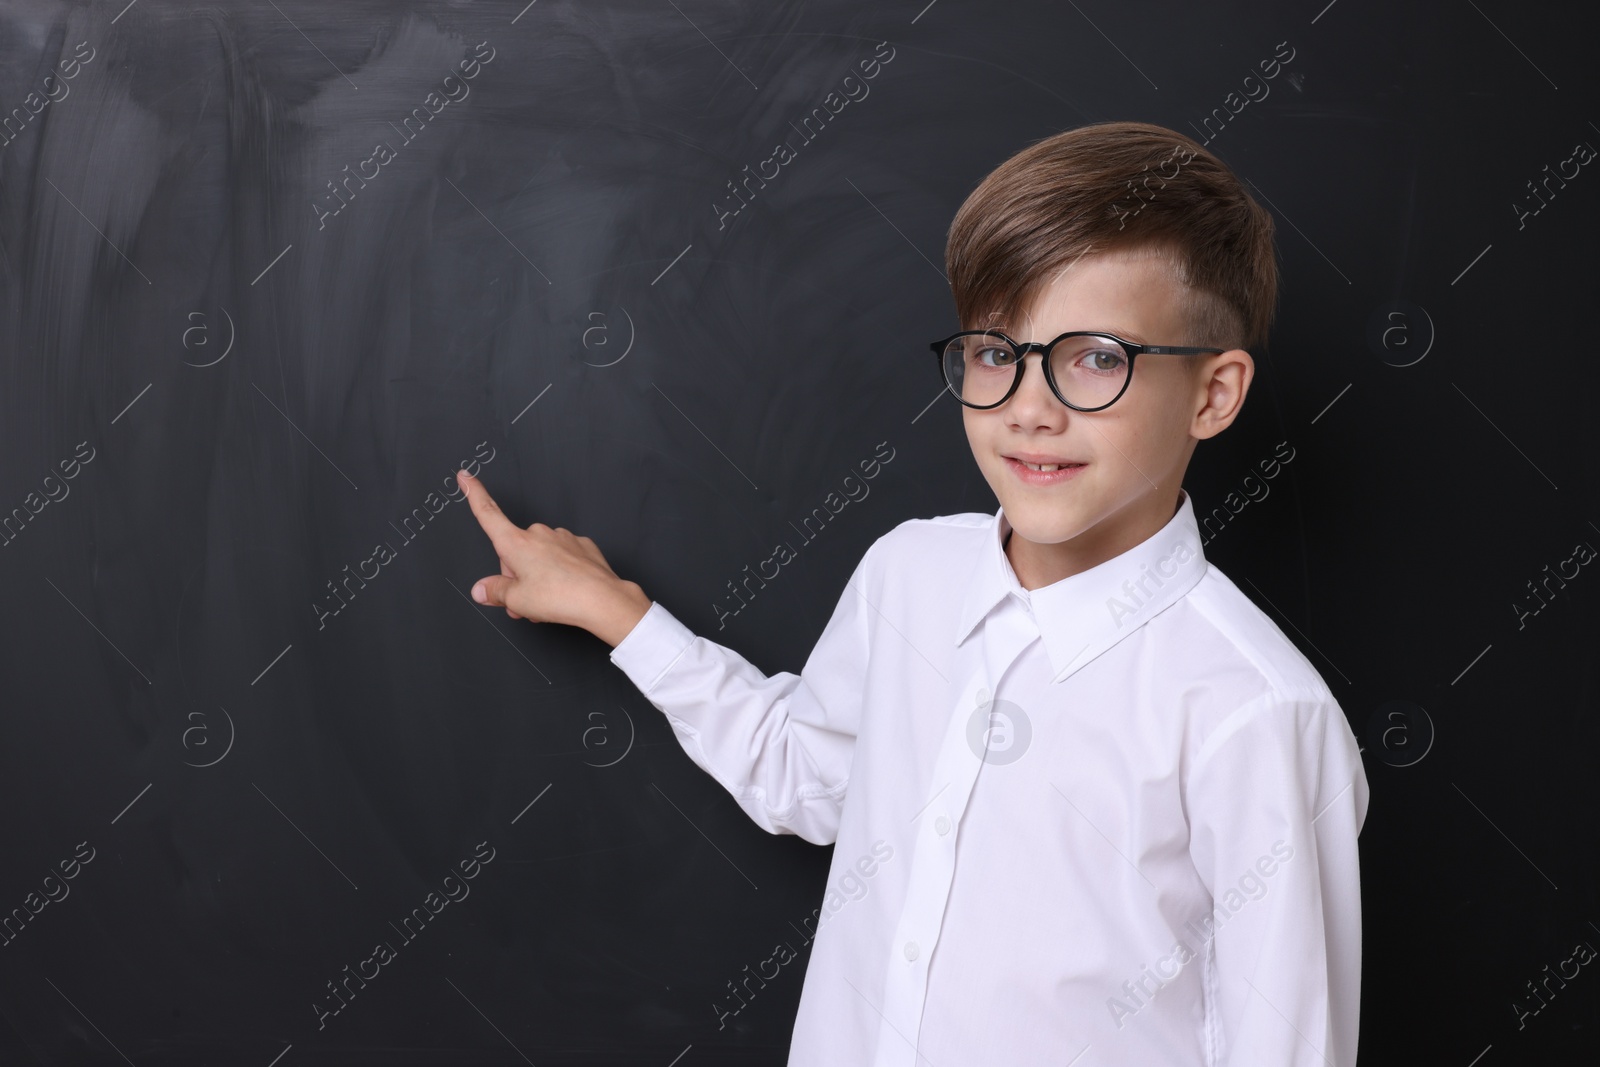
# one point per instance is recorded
(1039, 564)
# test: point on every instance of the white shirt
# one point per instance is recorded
(1156, 863)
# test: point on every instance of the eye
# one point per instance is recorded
(995, 356)
(1103, 360)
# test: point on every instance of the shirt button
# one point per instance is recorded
(942, 824)
(911, 950)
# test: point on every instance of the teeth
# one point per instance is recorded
(1043, 466)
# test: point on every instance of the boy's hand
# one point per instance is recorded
(552, 575)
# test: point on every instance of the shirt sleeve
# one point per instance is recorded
(782, 744)
(1277, 796)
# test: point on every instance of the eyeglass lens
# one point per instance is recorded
(1089, 370)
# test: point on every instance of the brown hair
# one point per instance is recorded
(1109, 186)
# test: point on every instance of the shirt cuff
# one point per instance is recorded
(653, 645)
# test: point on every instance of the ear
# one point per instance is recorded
(1220, 387)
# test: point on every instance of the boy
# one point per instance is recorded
(1110, 810)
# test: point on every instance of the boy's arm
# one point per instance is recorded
(781, 744)
(1276, 798)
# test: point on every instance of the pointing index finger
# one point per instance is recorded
(489, 515)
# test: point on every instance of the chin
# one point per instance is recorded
(1047, 522)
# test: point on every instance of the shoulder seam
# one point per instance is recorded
(1270, 671)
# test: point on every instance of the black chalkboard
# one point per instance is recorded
(664, 274)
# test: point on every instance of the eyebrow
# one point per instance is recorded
(1126, 335)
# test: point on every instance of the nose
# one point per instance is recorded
(1034, 389)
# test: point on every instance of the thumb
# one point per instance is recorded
(492, 591)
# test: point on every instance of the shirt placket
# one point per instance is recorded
(1006, 633)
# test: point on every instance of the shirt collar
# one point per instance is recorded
(1082, 616)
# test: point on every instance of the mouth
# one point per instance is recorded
(1043, 470)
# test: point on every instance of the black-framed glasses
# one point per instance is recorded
(1087, 370)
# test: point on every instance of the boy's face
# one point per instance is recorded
(1134, 453)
